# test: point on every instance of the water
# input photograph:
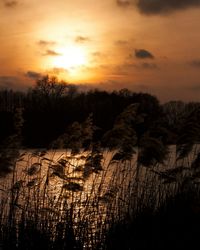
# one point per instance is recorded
(54, 187)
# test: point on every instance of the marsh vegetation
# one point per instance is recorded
(123, 185)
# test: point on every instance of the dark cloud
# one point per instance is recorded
(195, 63)
(143, 54)
(33, 75)
(10, 4)
(46, 43)
(165, 6)
(82, 39)
(151, 7)
(50, 52)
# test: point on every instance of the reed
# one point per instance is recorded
(96, 198)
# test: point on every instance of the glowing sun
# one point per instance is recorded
(70, 57)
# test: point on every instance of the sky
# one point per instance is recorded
(148, 46)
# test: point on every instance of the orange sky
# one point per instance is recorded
(149, 46)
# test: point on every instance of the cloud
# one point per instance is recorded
(143, 54)
(121, 42)
(50, 52)
(57, 71)
(116, 85)
(195, 87)
(123, 3)
(165, 6)
(11, 82)
(33, 75)
(10, 4)
(130, 68)
(147, 66)
(152, 7)
(46, 43)
(97, 54)
(7, 81)
(195, 63)
(82, 39)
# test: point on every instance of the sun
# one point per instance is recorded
(70, 57)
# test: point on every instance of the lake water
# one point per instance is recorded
(46, 184)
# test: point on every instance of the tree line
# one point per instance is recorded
(51, 106)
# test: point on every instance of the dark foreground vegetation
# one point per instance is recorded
(118, 185)
(51, 106)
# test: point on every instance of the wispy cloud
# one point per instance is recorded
(10, 3)
(195, 63)
(123, 3)
(194, 87)
(50, 52)
(97, 54)
(128, 68)
(44, 43)
(7, 81)
(82, 39)
(11, 82)
(33, 75)
(121, 43)
(57, 71)
(146, 65)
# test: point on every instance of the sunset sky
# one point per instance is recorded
(144, 45)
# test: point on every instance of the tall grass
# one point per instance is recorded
(56, 200)
(88, 199)
(165, 209)
(67, 201)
